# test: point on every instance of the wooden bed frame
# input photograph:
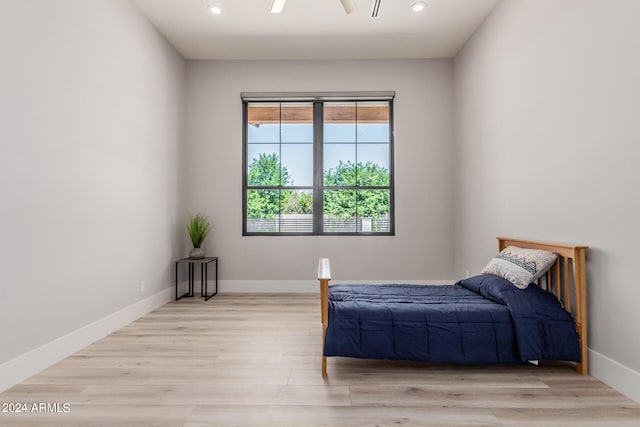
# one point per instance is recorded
(566, 280)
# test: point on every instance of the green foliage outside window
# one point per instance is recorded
(363, 203)
(265, 170)
(298, 203)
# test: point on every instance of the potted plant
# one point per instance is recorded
(198, 227)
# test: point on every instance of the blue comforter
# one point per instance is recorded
(480, 320)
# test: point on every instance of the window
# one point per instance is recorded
(318, 165)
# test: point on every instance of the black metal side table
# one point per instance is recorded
(204, 273)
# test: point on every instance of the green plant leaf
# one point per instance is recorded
(198, 227)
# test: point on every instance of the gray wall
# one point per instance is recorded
(546, 99)
(422, 247)
(92, 102)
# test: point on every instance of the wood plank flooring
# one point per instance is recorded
(254, 360)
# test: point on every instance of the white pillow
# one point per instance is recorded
(520, 266)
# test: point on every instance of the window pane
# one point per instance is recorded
(373, 209)
(344, 174)
(263, 210)
(263, 165)
(296, 123)
(263, 133)
(373, 164)
(336, 153)
(279, 211)
(340, 211)
(297, 211)
(339, 122)
(339, 133)
(373, 132)
(263, 122)
(339, 164)
(297, 164)
(373, 121)
(296, 133)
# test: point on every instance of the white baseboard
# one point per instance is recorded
(260, 286)
(24, 366)
(615, 375)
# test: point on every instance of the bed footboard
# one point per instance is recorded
(324, 276)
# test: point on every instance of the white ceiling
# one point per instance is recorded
(316, 29)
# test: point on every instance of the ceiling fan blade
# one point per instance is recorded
(376, 8)
(349, 6)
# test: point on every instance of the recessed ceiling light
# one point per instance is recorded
(277, 6)
(214, 9)
(418, 6)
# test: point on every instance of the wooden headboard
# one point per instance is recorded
(567, 281)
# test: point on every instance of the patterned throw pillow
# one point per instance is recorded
(520, 266)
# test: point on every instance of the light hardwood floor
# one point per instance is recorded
(255, 360)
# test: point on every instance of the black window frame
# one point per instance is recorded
(318, 100)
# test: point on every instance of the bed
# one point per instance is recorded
(481, 320)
